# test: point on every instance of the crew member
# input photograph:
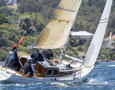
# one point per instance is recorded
(28, 68)
(13, 61)
(48, 53)
(17, 62)
(8, 59)
(36, 56)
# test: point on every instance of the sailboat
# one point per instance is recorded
(55, 36)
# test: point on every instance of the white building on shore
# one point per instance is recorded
(110, 41)
(82, 34)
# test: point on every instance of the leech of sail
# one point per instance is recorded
(56, 32)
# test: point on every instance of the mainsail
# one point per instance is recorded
(96, 43)
(56, 32)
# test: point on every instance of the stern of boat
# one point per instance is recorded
(4, 75)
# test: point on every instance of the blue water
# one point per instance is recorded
(102, 77)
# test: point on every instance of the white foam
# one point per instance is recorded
(97, 81)
(59, 84)
(111, 65)
(22, 85)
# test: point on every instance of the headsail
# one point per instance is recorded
(96, 43)
(56, 33)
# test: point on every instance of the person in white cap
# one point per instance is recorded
(28, 68)
(8, 58)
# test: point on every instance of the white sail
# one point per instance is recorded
(56, 32)
(96, 43)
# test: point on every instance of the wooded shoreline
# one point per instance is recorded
(28, 22)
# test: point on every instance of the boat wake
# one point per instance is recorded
(97, 81)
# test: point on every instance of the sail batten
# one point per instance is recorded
(56, 32)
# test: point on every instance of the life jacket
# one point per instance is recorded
(34, 57)
(40, 57)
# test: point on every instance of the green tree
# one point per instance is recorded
(3, 3)
(27, 24)
(32, 23)
(4, 42)
(42, 6)
(6, 11)
(28, 6)
(3, 19)
(18, 1)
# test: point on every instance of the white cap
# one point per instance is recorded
(10, 52)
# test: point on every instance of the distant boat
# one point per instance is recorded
(55, 36)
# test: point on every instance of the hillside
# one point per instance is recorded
(30, 17)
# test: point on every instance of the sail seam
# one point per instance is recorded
(64, 20)
(66, 9)
(103, 21)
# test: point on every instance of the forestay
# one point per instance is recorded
(96, 43)
(56, 32)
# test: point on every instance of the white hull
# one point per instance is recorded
(8, 75)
